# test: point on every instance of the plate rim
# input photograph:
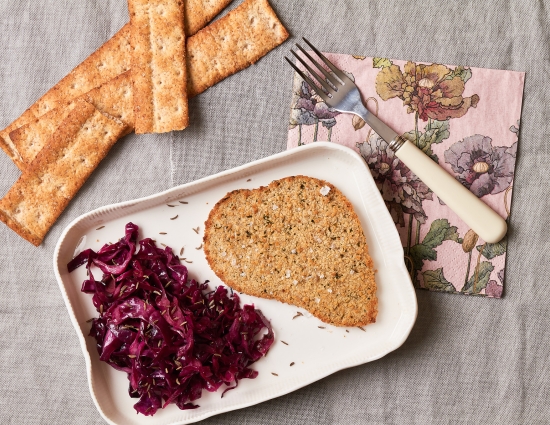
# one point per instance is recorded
(409, 294)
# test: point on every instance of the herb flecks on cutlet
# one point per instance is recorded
(297, 240)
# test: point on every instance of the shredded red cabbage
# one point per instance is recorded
(169, 335)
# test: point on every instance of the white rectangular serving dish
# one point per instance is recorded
(315, 352)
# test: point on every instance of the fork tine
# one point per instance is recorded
(322, 82)
(308, 80)
(333, 68)
(329, 77)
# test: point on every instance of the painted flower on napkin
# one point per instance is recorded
(310, 109)
(481, 167)
(493, 288)
(401, 190)
(432, 91)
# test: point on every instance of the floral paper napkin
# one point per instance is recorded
(467, 120)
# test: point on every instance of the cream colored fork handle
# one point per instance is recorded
(490, 226)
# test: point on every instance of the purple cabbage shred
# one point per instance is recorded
(170, 335)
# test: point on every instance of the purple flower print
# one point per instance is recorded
(402, 191)
(310, 102)
(325, 114)
(301, 112)
(493, 288)
(481, 167)
(309, 109)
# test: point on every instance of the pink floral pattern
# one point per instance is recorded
(448, 112)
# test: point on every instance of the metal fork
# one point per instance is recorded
(340, 93)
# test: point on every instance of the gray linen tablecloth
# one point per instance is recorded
(467, 360)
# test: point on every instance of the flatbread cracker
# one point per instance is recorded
(30, 138)
(36, 200)
(33, 136)
(199, 12)
(232, 43)
(113, 98)
(110, 60)
(6, 143)
(115, 58)
(204, 45)
(159, 76)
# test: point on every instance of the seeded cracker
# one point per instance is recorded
(41, 194)
(232, 43)
(113, 98)
(5, 142)
(120, 42)
(110, 60)
(159, 76)
(33, 136)
(290, 242)
(199, 12)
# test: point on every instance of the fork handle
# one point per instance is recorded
(488, 224)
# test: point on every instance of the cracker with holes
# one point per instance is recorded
(199, 12)
(36, 200)
(110, 60)
(159, 72)
(113, 98)
(232, 43)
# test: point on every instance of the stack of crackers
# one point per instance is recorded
(140, 80)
